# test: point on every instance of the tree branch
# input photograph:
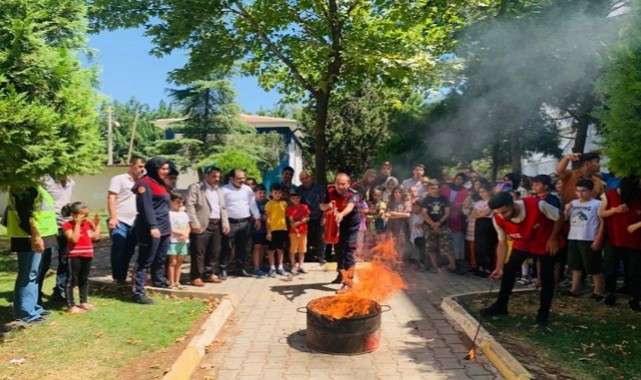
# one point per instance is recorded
(263, 37)
(306, 27)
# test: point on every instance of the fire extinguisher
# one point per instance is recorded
(330, 235)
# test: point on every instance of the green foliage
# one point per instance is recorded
(48, 118)
(621, 88)
(124, 115)
(233, 159)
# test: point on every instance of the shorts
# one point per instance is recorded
(278, 240)
(438, 242)
(179, 248)
(581, 257)
(259, 238)
(298, 244)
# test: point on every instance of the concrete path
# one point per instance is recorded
(265, 337)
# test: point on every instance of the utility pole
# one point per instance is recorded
(110, 138)
(133, 134)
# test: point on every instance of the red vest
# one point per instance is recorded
(532, 233)
(617, 225)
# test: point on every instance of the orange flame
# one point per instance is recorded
(377, 279)
(471, 355)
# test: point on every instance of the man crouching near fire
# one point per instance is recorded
(530, 223)
(343, 200)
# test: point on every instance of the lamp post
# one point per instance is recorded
(110, 136)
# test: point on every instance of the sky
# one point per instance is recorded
(127, 70)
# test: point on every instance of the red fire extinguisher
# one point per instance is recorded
(331, 227)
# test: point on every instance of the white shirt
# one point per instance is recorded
(240, 202)
(60, 194)
(214, 202)
(414, 230)
(179, 221)
(121, 185)
(584, 220)
(409, 183)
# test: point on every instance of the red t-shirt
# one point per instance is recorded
(84, 246)
(298, 213)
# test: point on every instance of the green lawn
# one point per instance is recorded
(94, 345)
(583, 338)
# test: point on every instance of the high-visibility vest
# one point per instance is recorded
(44, 216)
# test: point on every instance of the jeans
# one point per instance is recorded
(45, 263)
(25, 291)
(61, 272)
(152, 256)
(123, 245)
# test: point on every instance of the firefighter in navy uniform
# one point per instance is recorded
(343, 200)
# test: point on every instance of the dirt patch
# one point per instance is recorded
(155, 365)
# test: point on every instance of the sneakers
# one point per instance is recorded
(493, 309)
(272, 273)
(143, 300)
(259, 273)
(596, 297)
(302, 270)
(524, 281)
(610, 300)
(282, 272)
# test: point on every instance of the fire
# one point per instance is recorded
(471, 355)
(377, 279)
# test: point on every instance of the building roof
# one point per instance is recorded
(253, 120)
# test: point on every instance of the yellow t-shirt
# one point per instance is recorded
(276, 218)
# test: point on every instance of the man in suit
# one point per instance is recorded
(205, 205)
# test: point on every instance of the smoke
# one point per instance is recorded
(515, 65)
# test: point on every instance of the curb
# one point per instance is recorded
(195, 351)
(509, 367)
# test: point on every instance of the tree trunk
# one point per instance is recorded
(515, 150)
(496, 160)
(581, 134)
(320, 137)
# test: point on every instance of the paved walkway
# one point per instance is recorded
(265, 337)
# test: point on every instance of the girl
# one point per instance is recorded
(179, 239)
(363, 210)
(376, 219)
(398, 213)
(485, 238)
(80, 233)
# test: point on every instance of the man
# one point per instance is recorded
(172, 177)
(456, 194)
(312, 194)
(589, 168)
(121, 204)
(31, 225)
(61, 192)
(343, 201)
(385, 173)
(529, 222)
(205, 205)
(287, 175)
(416, 181)
(242, 210)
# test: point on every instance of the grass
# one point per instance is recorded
(584, 338)
(97, 344)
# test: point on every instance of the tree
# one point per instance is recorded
(312, 47)
(620, 88)
(48, 118)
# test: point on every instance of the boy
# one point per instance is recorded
(435, 210)
(585, 239)
(416, 234)
(298, 216)
(259, 239)
(275, 215)
(179, 238)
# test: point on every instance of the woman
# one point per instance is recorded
(153, 228)
(485, 238)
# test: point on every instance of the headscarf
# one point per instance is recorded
(152, 167)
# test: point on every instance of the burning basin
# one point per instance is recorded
(343, 324)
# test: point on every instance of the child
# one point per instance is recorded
(80, 233)
(376, 218)
(275, 213)
(416, 234)
(259, 239)
(435, 210)
(298, 216)
(363, 211)
(179, 238)
(584, 239)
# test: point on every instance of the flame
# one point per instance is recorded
(471, 355)
(376, 279)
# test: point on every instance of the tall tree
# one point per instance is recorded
(620, 88)
(311, 47)
(48, 117)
